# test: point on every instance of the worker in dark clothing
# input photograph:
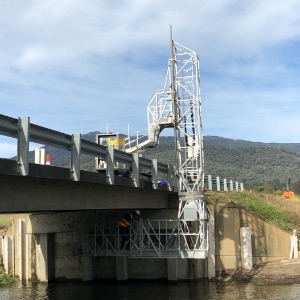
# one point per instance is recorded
(123, 226)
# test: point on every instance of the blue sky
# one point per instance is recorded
(78, 66)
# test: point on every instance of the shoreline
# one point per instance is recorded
(277, 272)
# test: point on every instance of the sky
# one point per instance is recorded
(79, 66)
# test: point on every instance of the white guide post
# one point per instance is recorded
(294, 245)
(246, 248)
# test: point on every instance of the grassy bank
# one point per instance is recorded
(281, 212)
(5, 220)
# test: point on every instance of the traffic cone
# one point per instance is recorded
(48, 160)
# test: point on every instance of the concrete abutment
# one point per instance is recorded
(45, 247)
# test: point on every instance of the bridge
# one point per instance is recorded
(34, 188)
(179, 230)
(29, 187)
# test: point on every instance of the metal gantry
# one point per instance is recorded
(146, 238)
(177, 106)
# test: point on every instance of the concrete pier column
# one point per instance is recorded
(44, 257)
(28, 258)
(19, 229)
(172, 265)
(8, 254)
(121, 268)
(246, 248)
(87, 270)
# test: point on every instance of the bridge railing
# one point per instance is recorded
(25, 132)
(222, 184)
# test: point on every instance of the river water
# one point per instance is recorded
(147, 291)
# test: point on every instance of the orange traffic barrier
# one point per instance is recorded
(48, 160)
(288, 194)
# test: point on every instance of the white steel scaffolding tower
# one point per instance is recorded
(177, 106)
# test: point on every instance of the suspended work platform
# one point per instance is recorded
(146, 238)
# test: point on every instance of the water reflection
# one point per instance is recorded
(147, 291)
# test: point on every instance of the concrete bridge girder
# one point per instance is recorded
(25, 194)
(49, 188)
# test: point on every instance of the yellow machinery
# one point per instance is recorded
(118, 141)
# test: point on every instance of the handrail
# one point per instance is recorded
(26, 132)
(8, 126)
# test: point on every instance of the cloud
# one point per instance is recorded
(76, 67)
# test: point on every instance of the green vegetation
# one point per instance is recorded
(5, 220)
(283, 213)
(256, 204)
(6, 279)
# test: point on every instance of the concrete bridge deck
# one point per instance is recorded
(49, 189)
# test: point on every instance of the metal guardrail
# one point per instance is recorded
(25, 132)
(222, 184)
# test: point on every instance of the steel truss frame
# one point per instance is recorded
(177, 106)
(146, 238)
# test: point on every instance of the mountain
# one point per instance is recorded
(249, 162)
(253, 163)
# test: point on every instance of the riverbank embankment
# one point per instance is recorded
(277, 272)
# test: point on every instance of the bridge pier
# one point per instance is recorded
(20, 246)
(44, 257)
(172, 266)
(121, 268)
(87, 268)
(7, 253)
(28, 256)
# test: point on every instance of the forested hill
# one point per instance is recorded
(250, 162)
(216, 141)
